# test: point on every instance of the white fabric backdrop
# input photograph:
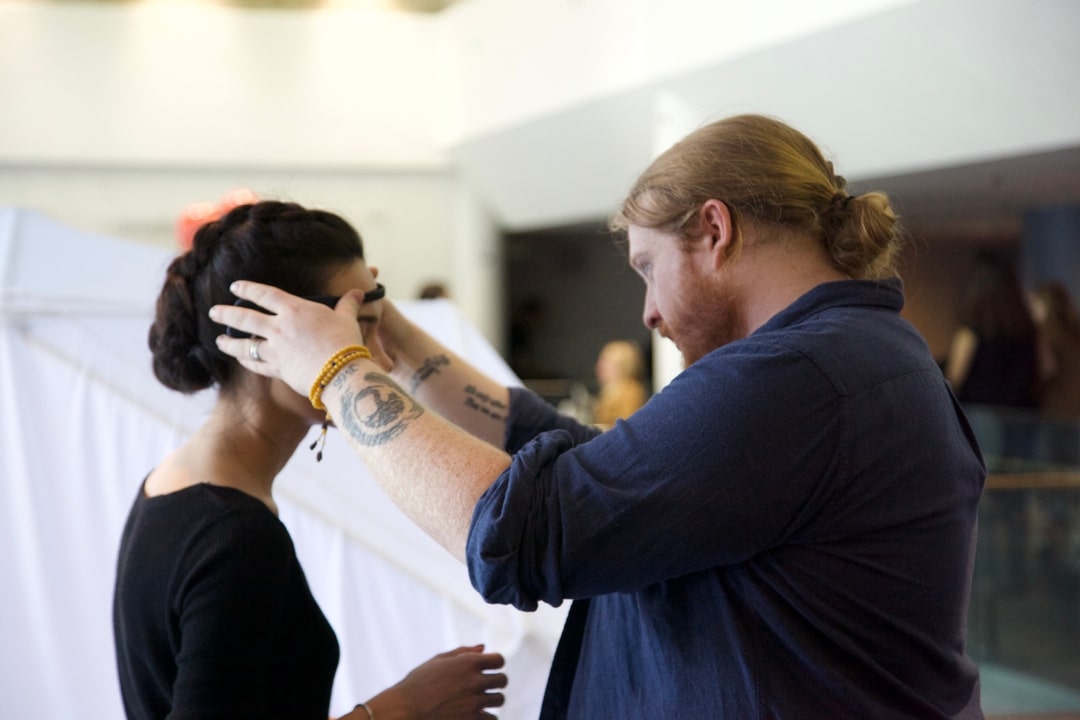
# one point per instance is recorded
(82, 420)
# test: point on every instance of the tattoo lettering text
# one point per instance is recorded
(339, 379)
(429, 367)
(484, 403)
(378, 413)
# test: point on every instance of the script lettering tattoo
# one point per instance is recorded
(428, 368)
(484, 403)
(378, 413)
(339, 379)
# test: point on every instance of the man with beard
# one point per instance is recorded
(785, 531)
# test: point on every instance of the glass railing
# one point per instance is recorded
(1024, 619)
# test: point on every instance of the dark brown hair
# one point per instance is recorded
(765, 172)
(278, 243)
(993, 305)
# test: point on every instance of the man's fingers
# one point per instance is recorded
(350, 303)
(275, 301)
(266, 296)
(247, 320)
(241, 349)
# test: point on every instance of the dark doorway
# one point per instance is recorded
(569, 291)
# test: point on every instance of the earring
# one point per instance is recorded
(321, 440)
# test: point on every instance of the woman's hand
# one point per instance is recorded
(454, 685)
(294, 342)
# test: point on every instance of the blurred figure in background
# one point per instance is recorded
(1059, 372)
(1059, 362)
(620, 371)
(993, 359)
(993, 367)
(433, 291)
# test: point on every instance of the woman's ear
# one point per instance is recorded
(374, 271)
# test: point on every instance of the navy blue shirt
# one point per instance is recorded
(785, 531)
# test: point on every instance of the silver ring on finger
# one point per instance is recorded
(253, 350)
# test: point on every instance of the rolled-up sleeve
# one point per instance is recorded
(708, 473)
(514, 541)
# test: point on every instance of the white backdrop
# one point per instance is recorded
(82, 420)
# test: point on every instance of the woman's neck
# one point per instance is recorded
(238, 446)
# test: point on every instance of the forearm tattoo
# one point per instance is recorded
(379, 412)
(484, 403)
(428, 368)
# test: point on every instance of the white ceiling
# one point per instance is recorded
(965, 111)
(410, 6)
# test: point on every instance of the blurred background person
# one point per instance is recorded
(620, 372)
(1058, 321)
(433, 291)
(993, 362)
(1059, 362)
(993, 358)
(993, 367)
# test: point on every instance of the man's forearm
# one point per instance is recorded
(431, 469)
(448, 384)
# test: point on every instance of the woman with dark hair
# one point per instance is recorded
(993, 359)
(213, 617)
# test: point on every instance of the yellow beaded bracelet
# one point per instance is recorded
(333, 366)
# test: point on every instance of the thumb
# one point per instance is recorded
(350, 302)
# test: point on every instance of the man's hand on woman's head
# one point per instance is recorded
(295, 340)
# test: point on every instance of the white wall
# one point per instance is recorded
(417, 226)
(193, 84)
(522, 60)
(116, 117)
(434, 132)
(196, 85)
(912, 86)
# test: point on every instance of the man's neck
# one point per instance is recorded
(775, 273)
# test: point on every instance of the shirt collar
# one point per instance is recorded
(887, 294)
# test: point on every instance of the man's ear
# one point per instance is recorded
(717, 233)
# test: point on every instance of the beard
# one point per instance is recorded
(718, 319)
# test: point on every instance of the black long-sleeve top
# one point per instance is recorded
(212, 614)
